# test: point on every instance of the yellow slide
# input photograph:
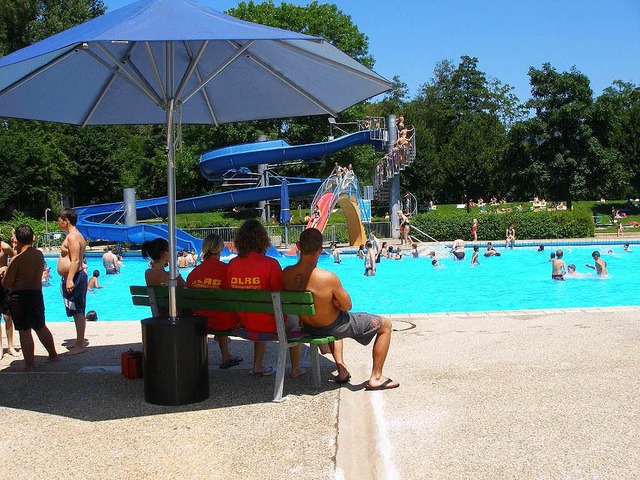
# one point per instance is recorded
(355, 228)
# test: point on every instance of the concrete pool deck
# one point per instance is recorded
(527, 394)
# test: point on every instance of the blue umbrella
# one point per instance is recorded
(285, 213)
(177, 61)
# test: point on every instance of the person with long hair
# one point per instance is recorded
(252, 269)
(212, 273)
(405, 228)
(158, 250)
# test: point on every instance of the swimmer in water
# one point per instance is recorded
(600, 265)
(558, 266)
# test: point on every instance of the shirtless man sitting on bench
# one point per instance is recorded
(332, 316)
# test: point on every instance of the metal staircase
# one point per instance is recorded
(391, 165)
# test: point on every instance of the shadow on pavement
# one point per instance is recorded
(59, 389)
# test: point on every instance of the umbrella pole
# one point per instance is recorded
(171, 212)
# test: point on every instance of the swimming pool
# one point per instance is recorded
(520, 279)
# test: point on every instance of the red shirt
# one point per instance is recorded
(212, 273)
(255, 272)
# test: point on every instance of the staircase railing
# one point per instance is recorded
(392, 164)
(442, 249)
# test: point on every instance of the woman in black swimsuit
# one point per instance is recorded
(405, 228)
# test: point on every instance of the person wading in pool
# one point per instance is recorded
(332, 316)
(558, 269)
(74, 279)
(600, 265)
(110, 262)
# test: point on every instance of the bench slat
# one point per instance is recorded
(228, 306)
(229, 295)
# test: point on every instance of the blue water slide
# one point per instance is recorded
(103, 221)
(138, 234)
(277, 151)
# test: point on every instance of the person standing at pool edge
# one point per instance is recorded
(5, 252)
(74, 279)
(510, 235)
(332, 315)
(23, 277)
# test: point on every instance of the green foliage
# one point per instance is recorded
(38, 169)
(448, 225)
(555, 154)
(208, 220)
(316, 19)
(615, 121)
(19, 218)
(23, 22)
(472, 134)
(460, 119)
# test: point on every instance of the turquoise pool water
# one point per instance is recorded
(520, 279)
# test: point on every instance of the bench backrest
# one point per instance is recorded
(257, 301)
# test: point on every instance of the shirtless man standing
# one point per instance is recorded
(74, 279)
(110, 262)
(5, 252)
(600, 265)
(24, 278)
(332, 316)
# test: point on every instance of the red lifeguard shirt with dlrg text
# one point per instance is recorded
(212, 273)
(255, 272)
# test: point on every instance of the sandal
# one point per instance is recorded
(232, 362)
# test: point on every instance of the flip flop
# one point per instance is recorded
(388, 384)
(268, 371)
(232, 362)
(343, 380)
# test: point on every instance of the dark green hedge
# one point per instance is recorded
(528, 224)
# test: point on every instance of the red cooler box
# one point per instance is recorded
(131, 364)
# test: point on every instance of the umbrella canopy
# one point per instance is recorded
(171, 61)
(285, 213)
(126, 66)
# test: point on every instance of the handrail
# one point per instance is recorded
(412, 209)
(346, 183)
(413, 227)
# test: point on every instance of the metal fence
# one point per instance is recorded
(334, 232)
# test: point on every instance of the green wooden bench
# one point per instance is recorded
(252, 301)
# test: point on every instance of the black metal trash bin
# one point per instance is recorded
(176, 362)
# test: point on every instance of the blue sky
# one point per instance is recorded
(601, 38)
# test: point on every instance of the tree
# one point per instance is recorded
(560, 154)
(36, 169)
(316, 19)
(393, 101)
(615, 121)
(23, 22)
(323, 20)
(463, 116)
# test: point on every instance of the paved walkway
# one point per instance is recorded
(508, 395)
